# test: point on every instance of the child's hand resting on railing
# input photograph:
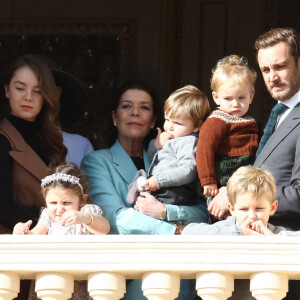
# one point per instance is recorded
(246, 228)
(259, 227)
(22, 228)
(250, 227)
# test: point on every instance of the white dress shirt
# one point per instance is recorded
(290, 103)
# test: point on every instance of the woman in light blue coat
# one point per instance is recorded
(110, 171)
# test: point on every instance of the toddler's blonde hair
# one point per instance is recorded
(249, 179)
(190, 101)
(232, 69)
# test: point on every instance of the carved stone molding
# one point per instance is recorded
(122, 29)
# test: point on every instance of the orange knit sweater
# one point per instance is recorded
(224, 135)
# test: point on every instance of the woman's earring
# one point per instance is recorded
(6, 95)
(115, 124)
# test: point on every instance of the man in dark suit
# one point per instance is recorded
(278, 56)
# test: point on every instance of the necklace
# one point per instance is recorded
(137, 156)
(135, 153)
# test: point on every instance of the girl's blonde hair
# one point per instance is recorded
(78, 187)
(190, 101)
(233, 69)
(249, 179)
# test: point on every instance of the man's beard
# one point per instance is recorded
(291, 88)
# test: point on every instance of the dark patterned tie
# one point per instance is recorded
(277, 110)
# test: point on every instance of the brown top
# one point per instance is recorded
(28, 170)
(224, 135)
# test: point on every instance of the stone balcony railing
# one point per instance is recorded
(160, 261)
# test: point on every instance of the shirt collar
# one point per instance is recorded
(293, 101)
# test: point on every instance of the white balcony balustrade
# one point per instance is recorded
(160, 261)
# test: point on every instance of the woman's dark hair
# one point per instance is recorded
(47, 120)
(111, 131)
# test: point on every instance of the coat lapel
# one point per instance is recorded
(25, 155)
(284, 129)
(35, 165)
(146, 160)
(123, 163)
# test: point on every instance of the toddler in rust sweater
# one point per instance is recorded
(228, 139)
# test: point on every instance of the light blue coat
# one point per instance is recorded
(109, 173)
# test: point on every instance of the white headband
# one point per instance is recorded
(61, 177)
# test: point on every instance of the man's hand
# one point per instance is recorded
(218, 207)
